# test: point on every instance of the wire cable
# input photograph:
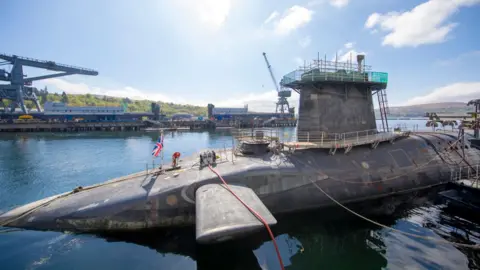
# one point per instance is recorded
(441, 241)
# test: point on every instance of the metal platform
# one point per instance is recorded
(321, 70)
(344, 141)
(324, 140)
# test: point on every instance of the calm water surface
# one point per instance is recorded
(33, 166)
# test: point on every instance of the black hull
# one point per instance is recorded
(285, 183)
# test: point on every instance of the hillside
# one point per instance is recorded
(132, 105)
(171, 108)
(420, 110)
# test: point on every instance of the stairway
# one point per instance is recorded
(383, 107)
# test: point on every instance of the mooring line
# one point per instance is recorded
(442, 241)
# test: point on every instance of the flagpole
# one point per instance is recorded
(161, 158)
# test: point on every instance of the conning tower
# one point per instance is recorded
(336, 97)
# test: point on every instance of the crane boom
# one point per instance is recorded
(48, 65)
(19, 88)
(271, 72)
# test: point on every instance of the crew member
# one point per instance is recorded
(175, 158)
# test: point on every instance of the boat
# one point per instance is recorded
(333, 159)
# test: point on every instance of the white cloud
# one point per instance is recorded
(305, 42)
(210, 12)
(339, 3)
(456, 92)
(426, 23)
(127, 91)
(293, 18)
(350, 55)
(349, 45)
(372, 20)
(259, 102)
(271, 17)
(299, 61)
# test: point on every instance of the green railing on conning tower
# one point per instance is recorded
(334, 71)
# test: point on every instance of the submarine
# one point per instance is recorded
(338, 153)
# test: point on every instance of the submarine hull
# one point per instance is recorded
(284, 183)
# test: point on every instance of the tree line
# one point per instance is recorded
(81, 100)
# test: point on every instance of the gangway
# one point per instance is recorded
(20, 88)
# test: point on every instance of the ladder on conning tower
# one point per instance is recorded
(383, 107)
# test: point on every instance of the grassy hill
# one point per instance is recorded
(132, 105)
(171, 108)
(420, 110)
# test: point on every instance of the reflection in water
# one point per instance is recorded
(326, 239)
(305, 243)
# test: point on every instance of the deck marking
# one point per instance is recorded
(184, 195)
(92, 205)
(365, 165)
(172, 200)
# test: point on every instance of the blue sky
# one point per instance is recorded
(202, 51)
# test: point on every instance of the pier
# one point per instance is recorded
(70, 126)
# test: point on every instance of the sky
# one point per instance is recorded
(210, 51)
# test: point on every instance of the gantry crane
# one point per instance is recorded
(20, 88)
(283, 93)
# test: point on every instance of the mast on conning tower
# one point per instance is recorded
(20, 88)
(336, 98)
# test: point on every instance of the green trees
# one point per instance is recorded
(132, 105)
(64, 98)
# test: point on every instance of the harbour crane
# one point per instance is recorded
(20, 87)
(283, 93)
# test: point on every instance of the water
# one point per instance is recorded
(33, 166)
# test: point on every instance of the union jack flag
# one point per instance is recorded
(158, 146)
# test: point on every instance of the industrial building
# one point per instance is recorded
(235, 114)
(58, 111)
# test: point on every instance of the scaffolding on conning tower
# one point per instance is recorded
(321, 71)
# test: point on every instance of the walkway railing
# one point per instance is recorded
(346, 139)
(257, 134)
(318, 139)
(465, 173)
(323, 70)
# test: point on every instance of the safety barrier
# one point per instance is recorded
(465, 173)
(257, 134)
(323, 70)
(342, 140)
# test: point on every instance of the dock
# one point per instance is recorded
(43, 126)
